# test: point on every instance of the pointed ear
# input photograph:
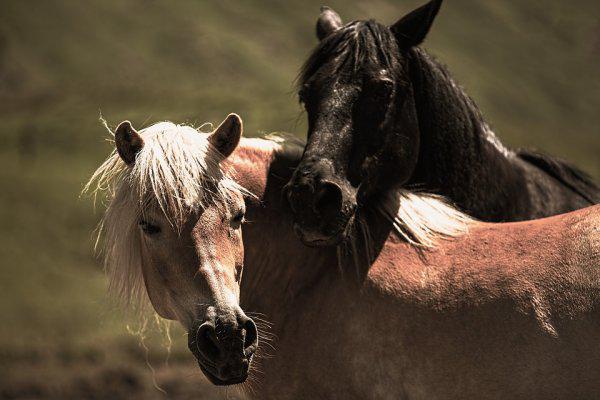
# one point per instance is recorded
(128, 142)
(329, 21)
(227, 136)
(411, 29)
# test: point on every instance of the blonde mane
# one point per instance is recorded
(423, 219)
(176, 171)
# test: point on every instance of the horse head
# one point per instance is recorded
(174, 223)
(363, 133)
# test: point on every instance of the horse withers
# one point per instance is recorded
(197, 224)
(383, 114)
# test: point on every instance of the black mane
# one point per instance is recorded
(354, 46)
(437, 72)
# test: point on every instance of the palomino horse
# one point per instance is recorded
(383, 114)
(498, 311)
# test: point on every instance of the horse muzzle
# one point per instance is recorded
(224, 345)
(323, 206)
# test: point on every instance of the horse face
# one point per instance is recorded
(193, 275)
(363, 135)
(192, 271)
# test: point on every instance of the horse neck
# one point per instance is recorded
(459, 154)
(277, 266)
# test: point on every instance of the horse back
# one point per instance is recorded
(566, 174)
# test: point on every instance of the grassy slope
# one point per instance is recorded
(531, 67)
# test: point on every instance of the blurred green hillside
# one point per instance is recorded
(533, 67)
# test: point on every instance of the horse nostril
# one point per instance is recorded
(328, 200)
(208, 344)
(250, 338)
(297, 230)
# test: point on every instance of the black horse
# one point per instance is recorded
(383, 114)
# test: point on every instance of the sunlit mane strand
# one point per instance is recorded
(424, 219)
(421, 219)
(176, 171)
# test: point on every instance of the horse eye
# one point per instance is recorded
(237, 219)
(149, 228)
(302, 96)
(303, 93)
(383, 86)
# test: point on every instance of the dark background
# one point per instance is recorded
(532, 66)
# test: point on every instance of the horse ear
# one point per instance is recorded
(128, 142)
(329, 21)
(227, 136)
(411, 29)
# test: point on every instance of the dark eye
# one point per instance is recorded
(148, 228)
(374, 102)
(303, 94)
(238, 219)
(380, 87)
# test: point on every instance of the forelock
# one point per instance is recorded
(357, 44)
(177, 170)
